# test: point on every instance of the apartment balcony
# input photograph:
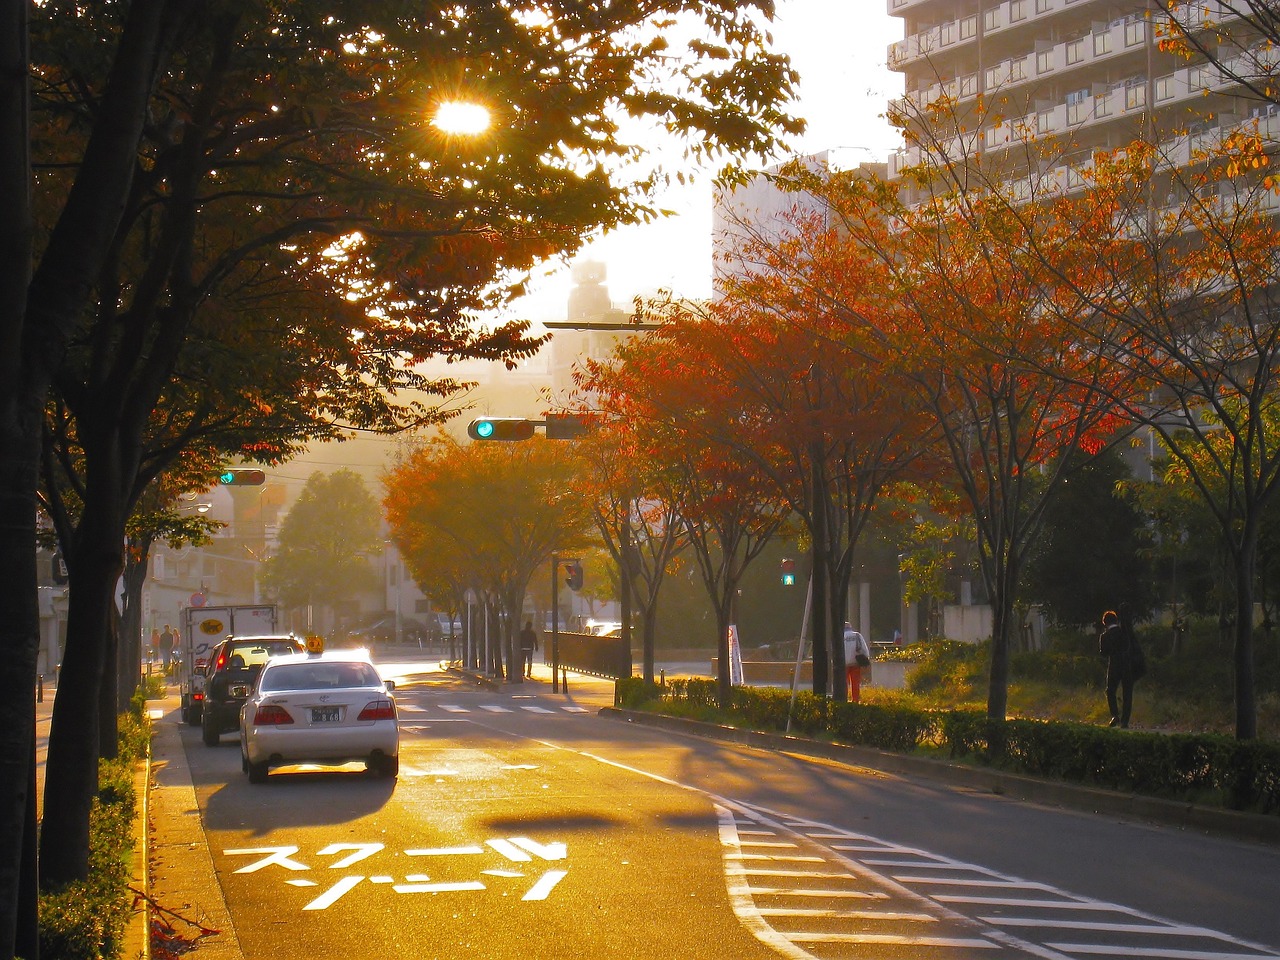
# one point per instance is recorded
(899, 7)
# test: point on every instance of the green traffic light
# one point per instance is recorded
(484, 429)
(228, 477)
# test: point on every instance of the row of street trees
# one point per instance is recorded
(231, 228)
(991, 334)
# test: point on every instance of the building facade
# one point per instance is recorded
(984, 78)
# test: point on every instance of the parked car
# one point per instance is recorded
(384, 630)
(329, 707)
(234, 665)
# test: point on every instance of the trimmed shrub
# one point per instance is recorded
(1209, 769)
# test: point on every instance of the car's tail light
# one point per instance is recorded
(378, 710)
(197, 696)
(270, 714)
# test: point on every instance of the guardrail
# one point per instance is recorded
(608, 657)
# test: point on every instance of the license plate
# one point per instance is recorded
(325, 714)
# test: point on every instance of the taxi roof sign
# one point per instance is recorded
(315, 644)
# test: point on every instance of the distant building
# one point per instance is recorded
(762, 209)
(589, 305)
(983, 77)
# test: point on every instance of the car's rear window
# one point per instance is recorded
(255, 654)
(319, 676)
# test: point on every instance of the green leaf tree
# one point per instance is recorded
(322, 557)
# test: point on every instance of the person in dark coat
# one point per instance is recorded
(528, 644)
(1125, 663)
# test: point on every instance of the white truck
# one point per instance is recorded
(202, 629)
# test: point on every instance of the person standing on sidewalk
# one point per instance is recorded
(528, 644)
(857, 656)
(166, 647)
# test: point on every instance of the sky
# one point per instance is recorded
(839, 48)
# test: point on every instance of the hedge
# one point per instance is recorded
(86, 920)
(1201, 768)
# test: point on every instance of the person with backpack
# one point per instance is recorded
(1125, 663)
(857, 657)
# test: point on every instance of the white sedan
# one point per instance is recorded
(329, 708)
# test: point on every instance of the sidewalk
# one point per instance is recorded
(184, 886)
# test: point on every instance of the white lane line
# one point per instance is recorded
(774, 857)
(1088, 905)
(797, 874)
(830, 913)
(940, 865)
(742, 897)
(767, 843)
(835, 894)
(891, 939)
(1099, 925)
(962, 882)
(1160, 952)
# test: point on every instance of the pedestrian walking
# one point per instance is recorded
(1125, 663)
(528, 644)
(857, 657)
(166, 646)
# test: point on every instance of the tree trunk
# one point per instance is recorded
(71, 768)
(821, 607)
(1002, 621)
(1245, 693)
(129, 639)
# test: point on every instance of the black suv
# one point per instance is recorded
(234, 665)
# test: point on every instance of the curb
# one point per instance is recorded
(1255, 828)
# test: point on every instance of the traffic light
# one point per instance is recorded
(573, 575)
(242, 478)
(566, 426)
(500, 428)
(788, 573)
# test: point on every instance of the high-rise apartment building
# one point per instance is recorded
(985, 77)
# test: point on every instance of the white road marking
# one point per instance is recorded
(547, 851)
(893, 939)
(454, 708)
(798, 874)
(330, 896)
(510, 851)
(444, 851)
(830, 913)
(518, 766)
(533, 709)
(575, 709)
(546, 883)
(834, 894)
(302, 883)
(276, 855)
(495, 708)
(774, 857)
(359, 852)
(1159, 952)
(438, 887)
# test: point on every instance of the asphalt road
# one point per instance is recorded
(524, 824)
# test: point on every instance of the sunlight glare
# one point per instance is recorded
(458, 116)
